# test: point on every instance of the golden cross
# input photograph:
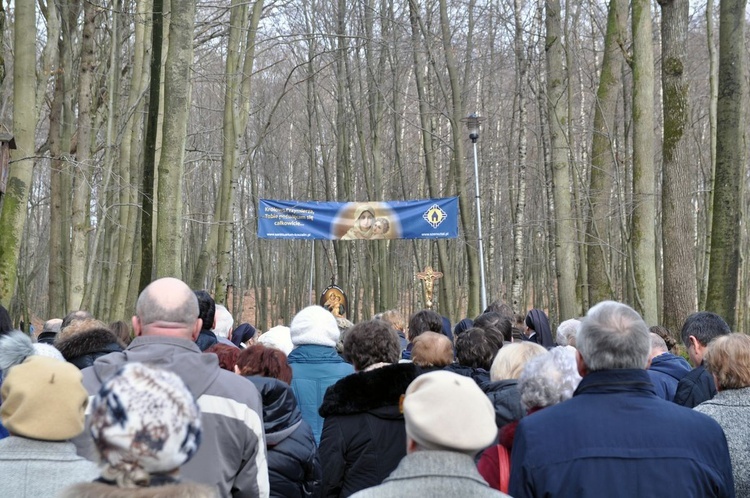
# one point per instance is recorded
(428, 276)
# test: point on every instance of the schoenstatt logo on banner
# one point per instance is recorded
(421, 219)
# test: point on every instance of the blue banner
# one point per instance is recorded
(422, 219)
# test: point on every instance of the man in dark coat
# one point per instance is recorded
(619, 438)
(698, 385)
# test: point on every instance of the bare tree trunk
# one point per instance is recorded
(458, 168)
(149, 160)
(730, 162)
(713, 78)
(565, 229)
(128, 165)
(677, 185)
(643, 235)
(13, 216)
(602, 154)
(169, 233)
(83, 165)
(519, 228)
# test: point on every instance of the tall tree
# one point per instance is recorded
(602, 156)
(677, 218)
(643, 234)
(730, 162)
(169, 233)
(149, 158)
(565, 229)
(83, 165)
(13, 216)
(458, 169)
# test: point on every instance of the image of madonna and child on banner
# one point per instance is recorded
(419, 219)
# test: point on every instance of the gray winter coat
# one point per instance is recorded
(731, 409)
(36, 469)
(232, 454)
(426, 474)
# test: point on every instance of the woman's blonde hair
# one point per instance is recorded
(728, 359)
(510, 360)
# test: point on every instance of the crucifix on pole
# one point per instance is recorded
(428, 277)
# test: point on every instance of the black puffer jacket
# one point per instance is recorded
(84, 347)
(363, 437)
(506, 398)
(293, 465)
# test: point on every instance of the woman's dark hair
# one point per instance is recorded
(265, 362)
(371, 342)
(206, 309)
(227, 355)
(495, 322)
(424, 320)
(477, 348)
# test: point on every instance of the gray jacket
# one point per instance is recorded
(232, 454)
(731, 409)
(36, 469)
(433, 473)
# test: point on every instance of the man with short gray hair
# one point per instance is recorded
(232, 454)
(619, 438)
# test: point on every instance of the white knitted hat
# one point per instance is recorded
(277, 337)
(447, 411)
(314, 325)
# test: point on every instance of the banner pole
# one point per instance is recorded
(312, 270)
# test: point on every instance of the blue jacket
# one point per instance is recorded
(665, 372)
(314, 368)
(616, 438)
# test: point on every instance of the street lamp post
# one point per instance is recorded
(472, 123)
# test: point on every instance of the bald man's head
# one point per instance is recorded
(167, 306)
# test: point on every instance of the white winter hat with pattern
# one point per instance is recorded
(314, 325)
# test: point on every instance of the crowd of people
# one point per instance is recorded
(181, 403)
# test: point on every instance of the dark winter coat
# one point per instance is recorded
(665, 372)
(695, 387)
(84, 347)
(616, 438)
(506, 398)
(480, 375)
(293, 466)
(206, 339)
(363, 434)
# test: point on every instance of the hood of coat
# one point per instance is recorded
(669, 364)
(376, 391)
(180, 356)
(88, 342)
(281, 415)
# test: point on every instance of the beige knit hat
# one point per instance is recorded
(43, 398)
(447, 411)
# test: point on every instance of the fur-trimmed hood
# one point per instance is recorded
(88, 345)
(102, 490)
(369, 391)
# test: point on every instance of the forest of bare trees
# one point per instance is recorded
(612, 152)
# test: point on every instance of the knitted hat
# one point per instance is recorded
(144, 421)
(277, 337)
(447, 411)
(43, 398)
(314, 325)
